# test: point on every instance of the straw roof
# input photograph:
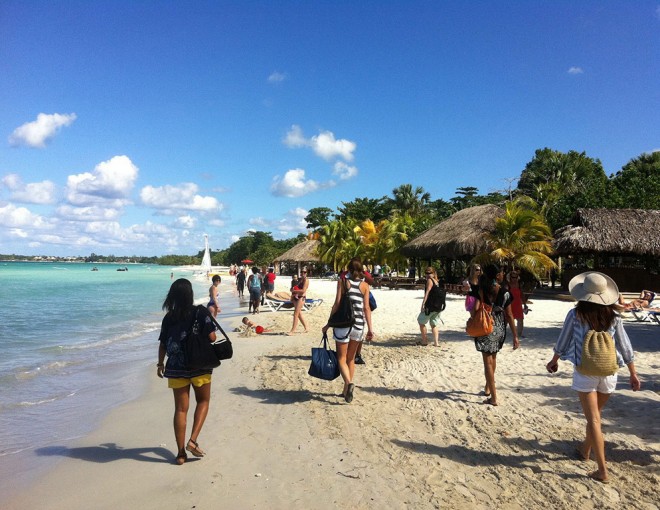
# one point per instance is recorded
(610, 231)
(459, 236)
(301, 252)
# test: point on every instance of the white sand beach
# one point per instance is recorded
(416, 435)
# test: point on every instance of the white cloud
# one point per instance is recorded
(12, 181)
(324, 144)
(295, 138)
(216, 223)
(173, 199)
(111, 180)
(90, 213)
(17, 217)
(276, 77)
(344, 171)
(575, 70)
(259, 222)
(293, 184)
(38, 132)
(293, 222)
(186, 221)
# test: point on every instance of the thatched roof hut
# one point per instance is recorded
(460, 236)
(301, 252)
(623, 243)
(632, 232)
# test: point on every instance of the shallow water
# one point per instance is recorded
(74, 345)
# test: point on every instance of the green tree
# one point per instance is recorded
(637, 184)
(561, 183)
(317, 217)
(413, 201)
(521, 238)
(361, 209)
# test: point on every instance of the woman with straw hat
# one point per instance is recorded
(593, 339)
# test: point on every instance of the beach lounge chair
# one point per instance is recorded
(279, 305)
(646, 315)
(310, 304)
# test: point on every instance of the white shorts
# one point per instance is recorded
(589, 383)
(339, 333)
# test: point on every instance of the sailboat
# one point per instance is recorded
(206, 259)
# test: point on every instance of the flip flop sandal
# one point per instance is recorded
(194, 449)
(594, 476)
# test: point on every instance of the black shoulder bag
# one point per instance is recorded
(200, 353)
(343, 316)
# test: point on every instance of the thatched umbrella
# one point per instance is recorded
(462, 235)
(610, 232)
(307, 251)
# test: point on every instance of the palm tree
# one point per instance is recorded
(521, 238)
(414, 202)
(339, 243)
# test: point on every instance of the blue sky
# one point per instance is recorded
(136, 127)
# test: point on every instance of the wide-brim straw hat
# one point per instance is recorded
(594, 287)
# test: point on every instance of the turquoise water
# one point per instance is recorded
(74, 344)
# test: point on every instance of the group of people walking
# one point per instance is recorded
(591, 330)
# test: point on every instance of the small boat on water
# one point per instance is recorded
(122, 269)
(95, 269)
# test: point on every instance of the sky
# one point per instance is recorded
(136, 127)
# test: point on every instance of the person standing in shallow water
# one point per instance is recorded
(596, 310)
(214, 303)
(494, 294)
(178, 321)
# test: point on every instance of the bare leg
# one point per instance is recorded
(425, 339)
(490, 363)
(436, 333)
(342, 352)
(181, 403)
(519, 326)
(350, 357)
(203, 398)
(592, 404)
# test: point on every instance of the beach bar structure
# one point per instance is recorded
(462, 236)
(301, 254)
(622, 243)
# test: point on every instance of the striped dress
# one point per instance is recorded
(357, 300)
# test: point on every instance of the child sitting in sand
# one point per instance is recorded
(249, 328)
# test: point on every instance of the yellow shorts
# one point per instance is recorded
(182, 382)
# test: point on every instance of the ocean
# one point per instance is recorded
(75, 343)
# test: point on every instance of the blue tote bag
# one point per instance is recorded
(324, 362)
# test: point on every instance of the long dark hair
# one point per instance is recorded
(179, 299)
(488, 282)
(355, 269)
(599, 317)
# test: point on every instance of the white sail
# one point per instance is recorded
(206, 260)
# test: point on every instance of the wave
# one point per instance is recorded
(134, 331)
(26, 373)
(28, 403)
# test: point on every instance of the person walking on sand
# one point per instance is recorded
(298, 296)
(254, 288)
(177, 323)
(596, 311)
(432, 304)
(214, 303)
(348, 339)
(494, 294)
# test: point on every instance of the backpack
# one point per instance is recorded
(436, 300)
(598, 354)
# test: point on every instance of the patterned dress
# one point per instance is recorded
(492, 343)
